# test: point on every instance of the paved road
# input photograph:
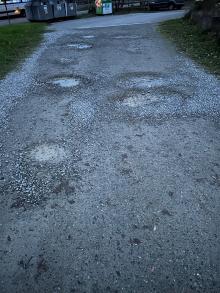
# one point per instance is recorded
(110, 172)
(13, 21)
(110, 20)
(119, 20)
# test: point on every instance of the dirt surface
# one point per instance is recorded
(110, 170)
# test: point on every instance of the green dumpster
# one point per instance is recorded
(103, 7)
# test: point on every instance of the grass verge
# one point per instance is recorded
(200, 46)
(17, 41)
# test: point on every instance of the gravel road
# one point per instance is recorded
(110, 164)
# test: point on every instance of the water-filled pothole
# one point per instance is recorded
(65, 60)
(51, 153)
(66, 82)
(89, 37)
(126, 37)
(79, 46)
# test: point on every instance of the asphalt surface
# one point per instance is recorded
(16, 20)
(110, 170)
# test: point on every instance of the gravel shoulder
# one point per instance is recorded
(110, 171)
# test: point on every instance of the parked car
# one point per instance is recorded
(170, 4)
(14, 7)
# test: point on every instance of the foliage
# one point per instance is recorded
(206, 5)
(200, 46)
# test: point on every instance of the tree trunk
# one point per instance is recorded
(209, 4)
(6, 9)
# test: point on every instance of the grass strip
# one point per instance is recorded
(16, 42)
(202, 47)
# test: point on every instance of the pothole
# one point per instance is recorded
(126, 37)
(66, 82)
(153, 97)
(134, 50)
(140, 99)
(89, 37)
(65, 60)
(51, 153)
(79, 46)
(142, 80)
(145, 82)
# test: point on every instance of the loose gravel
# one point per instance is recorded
(111, 185)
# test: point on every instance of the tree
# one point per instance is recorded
(209, 4)
(206, 13)
(6, 9)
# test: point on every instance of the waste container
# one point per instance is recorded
(37, 10)
(71, 8)
(103, 7)
(59, 8)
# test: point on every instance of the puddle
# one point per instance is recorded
(140, 99)
(89, 37)
(65, 60)
(134, 50)
(66, 82)
(126, 37)
(79, 46)
(48, 153)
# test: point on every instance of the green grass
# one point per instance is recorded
(16, 42)
(200, 46)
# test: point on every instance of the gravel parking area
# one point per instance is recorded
(110, 170)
